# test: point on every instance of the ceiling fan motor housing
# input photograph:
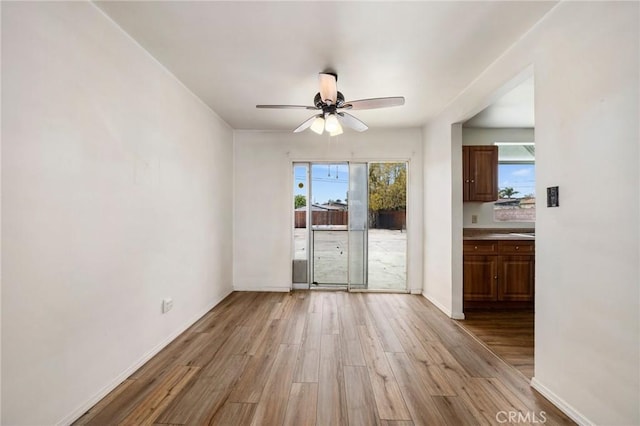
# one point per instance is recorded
(328, 109)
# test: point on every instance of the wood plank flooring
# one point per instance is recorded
(322, 358)
(507, 333)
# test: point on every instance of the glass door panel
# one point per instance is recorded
(329, 215)
(300, 230)
(358, 212)
(387, 234)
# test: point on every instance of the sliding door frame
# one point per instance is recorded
(408, 220)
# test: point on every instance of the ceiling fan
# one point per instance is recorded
(332, 107)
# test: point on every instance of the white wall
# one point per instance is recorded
(484, 211)
(440, 190)
(586, 60)
(116, 193)
(263, 196)
(0, 239)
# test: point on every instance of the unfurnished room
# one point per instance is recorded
(320, 213)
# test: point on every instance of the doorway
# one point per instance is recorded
(498, 233)
(349, 226)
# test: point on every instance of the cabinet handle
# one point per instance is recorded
(517, 248)
(495, 278)
(472, 180)
(475, 247)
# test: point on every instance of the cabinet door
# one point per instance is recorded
(466, 175)
(483, 169)
(480, 275)
(516, 278)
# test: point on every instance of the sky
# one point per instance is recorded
(326, 183)
(521, 177)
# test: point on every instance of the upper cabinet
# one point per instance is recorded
(480, 173)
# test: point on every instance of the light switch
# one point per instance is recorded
(553, 196)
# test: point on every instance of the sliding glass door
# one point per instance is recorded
(350, 226)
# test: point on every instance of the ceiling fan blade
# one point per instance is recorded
(352, 122)
(374, 103)
(287, 107)
(328, 87)
(307, 123)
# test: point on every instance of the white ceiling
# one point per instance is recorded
(234, 55)
(515, 109)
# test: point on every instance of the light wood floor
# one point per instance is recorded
(322, 358)
(507, 333)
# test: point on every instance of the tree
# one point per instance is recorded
(300, 201)
(507, 192)
(387, 186)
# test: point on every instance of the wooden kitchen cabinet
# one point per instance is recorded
(480, 275)
(480, 173)
(515, 278)
(498, 274)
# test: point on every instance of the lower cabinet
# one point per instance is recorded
(515, 278)
(480, 278)
(498, 273)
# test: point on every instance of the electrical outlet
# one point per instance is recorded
(167, 304)
(474, 218)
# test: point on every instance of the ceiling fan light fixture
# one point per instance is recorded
(318, 125)
(330, 107)
(331, 124)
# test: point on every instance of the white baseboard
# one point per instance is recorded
(563, 405)
(75, 415)
(437, 304)
(447, 311)
(416, 291)
(264, 289)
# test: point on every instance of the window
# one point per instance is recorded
(516, 182)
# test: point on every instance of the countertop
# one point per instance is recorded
(498, 234)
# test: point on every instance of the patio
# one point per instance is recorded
(387, 257)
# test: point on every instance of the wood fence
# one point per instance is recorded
(385, 219)
(388, 219)
(329, 217)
